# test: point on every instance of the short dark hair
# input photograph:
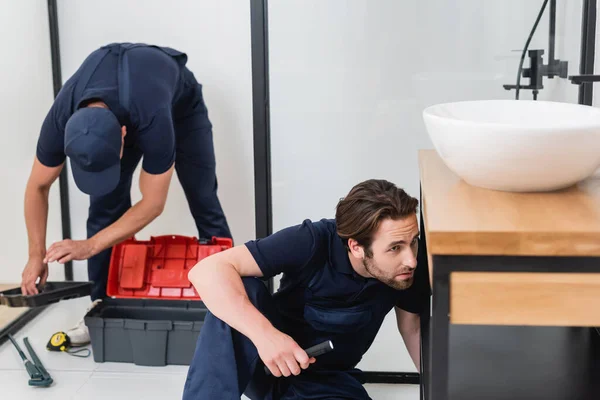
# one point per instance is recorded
(359, 214)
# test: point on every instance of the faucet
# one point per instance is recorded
(537, 70)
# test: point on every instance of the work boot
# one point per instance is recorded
(80, 334)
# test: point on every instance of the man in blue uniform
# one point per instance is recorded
(126, 101)
(340, 279)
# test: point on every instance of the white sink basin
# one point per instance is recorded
(516, 145)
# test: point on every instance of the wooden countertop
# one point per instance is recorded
(461, 219)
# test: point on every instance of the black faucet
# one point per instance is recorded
(537, 70)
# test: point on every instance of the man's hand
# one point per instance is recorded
(34, 269)
(67, 250)
(281, 354)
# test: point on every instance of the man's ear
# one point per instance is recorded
(356, 249)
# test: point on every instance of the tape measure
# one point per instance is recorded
(60, 341)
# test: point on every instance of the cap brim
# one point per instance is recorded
(97, 183)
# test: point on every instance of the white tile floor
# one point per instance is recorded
(82, 378)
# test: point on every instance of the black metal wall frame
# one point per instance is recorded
(588, 50)
(63, 180)
(261, 121)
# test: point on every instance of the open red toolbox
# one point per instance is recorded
(152, 315)
(158, 268)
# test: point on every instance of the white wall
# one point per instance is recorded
(26, 95)
(216, 37)
(349, 80)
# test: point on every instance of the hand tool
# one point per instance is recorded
(46, 378)
(37, 373)
(314, 351)
(32, 370)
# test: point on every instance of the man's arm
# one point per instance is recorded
(154, 190)
(409, 325)
(36, 220)
(36, 206)
(218, 281)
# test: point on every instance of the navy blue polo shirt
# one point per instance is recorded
(321, 297)
(155, 80)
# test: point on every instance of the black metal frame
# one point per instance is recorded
(588, 50)
(63, 180)
(425, 315)
(261, 120)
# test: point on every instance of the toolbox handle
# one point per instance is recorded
(172, 237)
(219, 241)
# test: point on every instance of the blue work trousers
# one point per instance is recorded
(226, 364)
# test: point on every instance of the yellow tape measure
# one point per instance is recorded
(59, 342)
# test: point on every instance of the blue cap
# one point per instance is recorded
(93, 144)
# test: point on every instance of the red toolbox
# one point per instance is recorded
(153, 314)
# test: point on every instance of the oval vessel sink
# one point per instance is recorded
(516, 145)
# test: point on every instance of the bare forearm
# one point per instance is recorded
(36, 220)
(134, 220)
(412, 340)
(222, 290)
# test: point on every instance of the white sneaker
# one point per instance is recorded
(80, 334)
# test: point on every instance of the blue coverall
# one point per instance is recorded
(321, 298)
(157, 98)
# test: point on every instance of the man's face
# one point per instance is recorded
(392, 258)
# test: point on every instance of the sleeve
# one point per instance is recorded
(157, 142)
(288, 250)
(50, 145)
(415, 298)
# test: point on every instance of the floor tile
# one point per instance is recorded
(389, 392)
(393, 392)
(14, 385)
(127, 386)
(127, 368)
